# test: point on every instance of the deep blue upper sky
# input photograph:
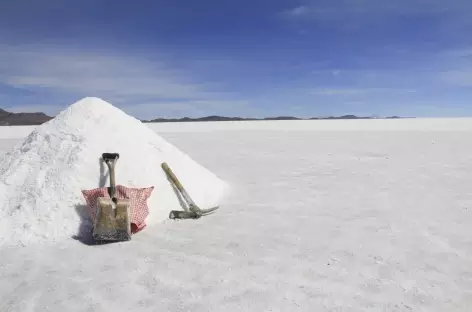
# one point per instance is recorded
(247, 58)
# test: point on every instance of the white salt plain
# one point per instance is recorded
(338, 219)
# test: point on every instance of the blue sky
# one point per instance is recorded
(239, 58)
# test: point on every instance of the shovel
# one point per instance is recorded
(193, 211)
(112, 222)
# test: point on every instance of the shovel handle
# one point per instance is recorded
(110, 159)
(110, 156)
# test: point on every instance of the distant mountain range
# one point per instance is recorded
(29, 119)
(22, 119)
(222, 118)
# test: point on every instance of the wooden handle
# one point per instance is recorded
(172, 176)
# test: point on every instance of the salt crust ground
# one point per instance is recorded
(318, 221)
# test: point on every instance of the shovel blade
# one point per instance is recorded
(112, 224)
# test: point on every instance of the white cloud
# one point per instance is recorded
(350, 13)
(339, 92)
(460, 78)
(464, 53)
(454, 67)
(110, 74)
(342, 91)
(299, 11)
(125, 80)
(149, 88)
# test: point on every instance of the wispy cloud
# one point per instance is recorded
(341, 91)
(417, 70)
(464, 54)
(109, 73)
(461, 78)
(357, 91)
(345, 8)
(348, 13)
(130, 81)
(299, 11)
(49, 78)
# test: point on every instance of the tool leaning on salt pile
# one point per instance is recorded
(117, 224)
(192, 211)
(112, 221)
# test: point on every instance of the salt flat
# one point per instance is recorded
(321, 218)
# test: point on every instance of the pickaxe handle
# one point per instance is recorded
(195, 212)
(179, 186)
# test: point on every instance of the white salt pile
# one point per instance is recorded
(42, 178)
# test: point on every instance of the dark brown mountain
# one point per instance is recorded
(28, 119)
(222, 118)
(219, 118)
(282, 118)
(207, 118)
(22, 119)
(341, 117)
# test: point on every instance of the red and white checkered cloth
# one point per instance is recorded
(138, 202)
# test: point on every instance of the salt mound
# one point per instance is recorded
(42, 178)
